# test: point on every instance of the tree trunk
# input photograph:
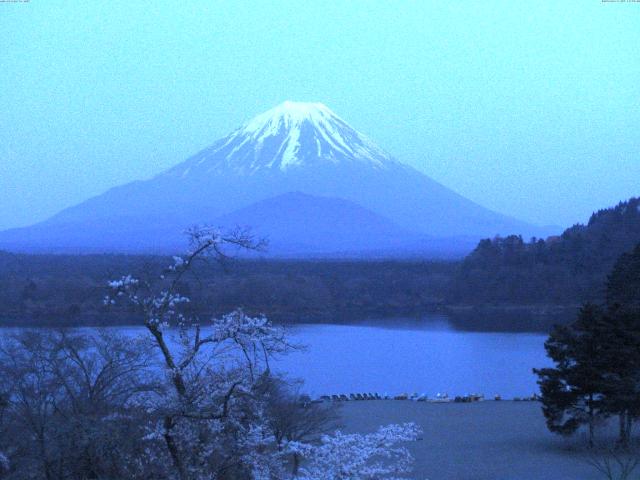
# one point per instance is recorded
(296, 464)
(46, 464)
(173, 448)
(591, 421)
(623, 439)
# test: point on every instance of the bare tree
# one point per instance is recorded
(614, 464)
(72, 404)
(292, 417)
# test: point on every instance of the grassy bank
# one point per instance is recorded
(480, 441)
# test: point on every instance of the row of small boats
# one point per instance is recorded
(439, 398)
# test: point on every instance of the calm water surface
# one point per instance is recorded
(422, 357)
(395, 356)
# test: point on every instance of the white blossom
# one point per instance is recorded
(124, 282)
(178, 262)
(373, 456)
(213, 407)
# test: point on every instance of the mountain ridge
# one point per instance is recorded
(338, 228)
(294, 147)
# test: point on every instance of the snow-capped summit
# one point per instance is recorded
(352, 196)
(289, 135)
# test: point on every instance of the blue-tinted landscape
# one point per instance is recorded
(321, 241)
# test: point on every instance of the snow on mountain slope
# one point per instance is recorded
(293, 134)
(294, 147)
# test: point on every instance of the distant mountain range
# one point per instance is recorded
(299, 224)
(299, 175)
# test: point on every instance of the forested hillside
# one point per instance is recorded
(569, 269)
(64, 290)
(505, 283)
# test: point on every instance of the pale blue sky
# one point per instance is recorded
(531, 108)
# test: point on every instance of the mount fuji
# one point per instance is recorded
(297, 173)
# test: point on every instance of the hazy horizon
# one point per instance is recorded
(526, 111)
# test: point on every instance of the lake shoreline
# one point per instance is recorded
(473, 318)
(396, 356)
(481, 441)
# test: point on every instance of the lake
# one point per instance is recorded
(406, 355)
(428, 356)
